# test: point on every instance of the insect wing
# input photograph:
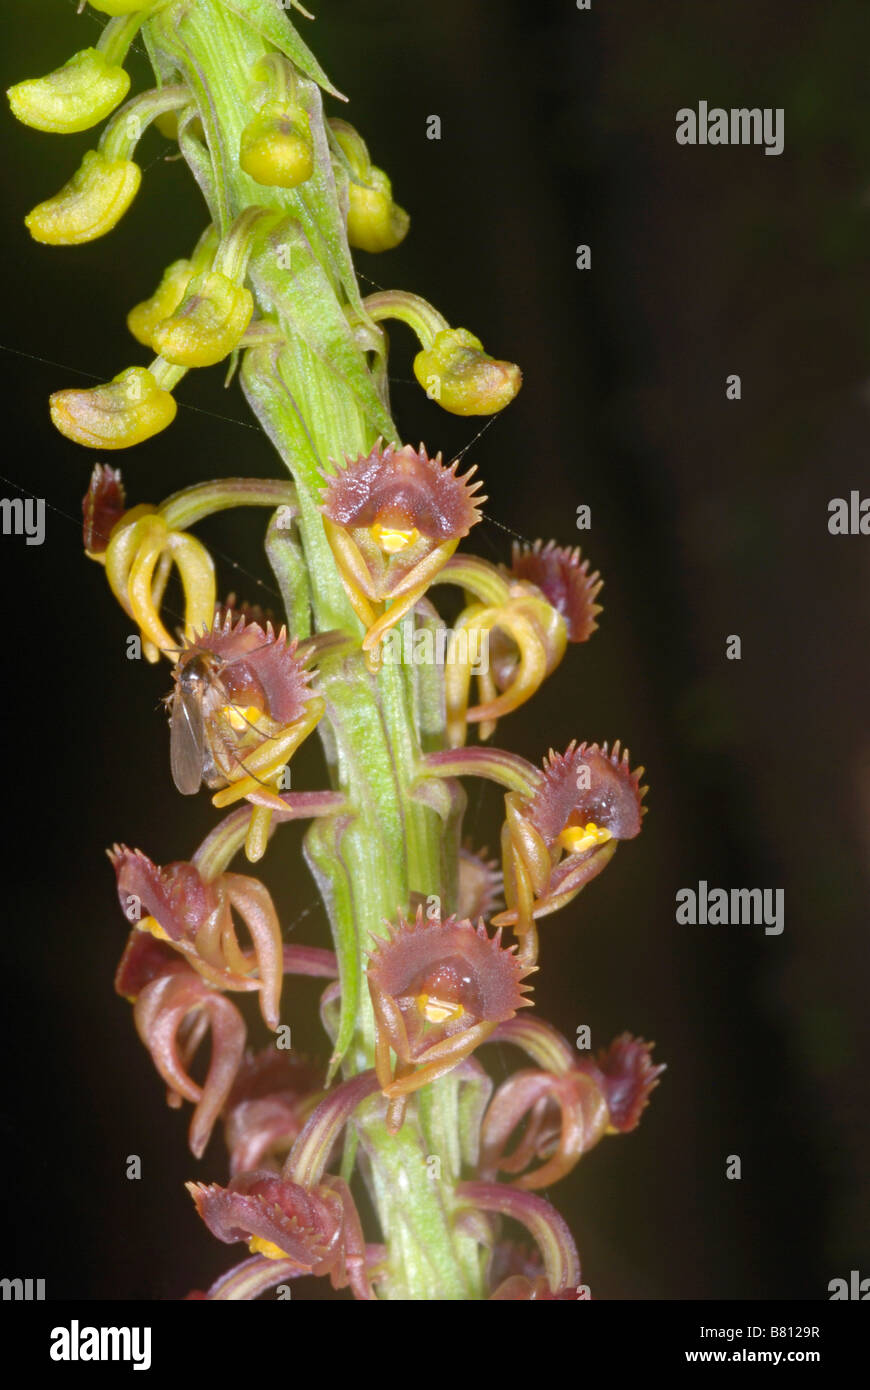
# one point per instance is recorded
(187, 738)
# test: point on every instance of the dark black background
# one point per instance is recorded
(709, 518)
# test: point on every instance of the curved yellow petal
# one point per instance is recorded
(196, 569)
(140, 589)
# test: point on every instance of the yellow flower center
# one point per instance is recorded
(151, 924)
(391, 539)
(258, 1246)
(241, 718)
(438, 1010)
(576, 839)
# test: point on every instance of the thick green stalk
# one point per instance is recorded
(318, 399)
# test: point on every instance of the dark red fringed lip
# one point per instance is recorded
(612, 799)
(258, 666)
(403, 487)
(454, 961)
(626, 1076)
(175, 896)
(565, 582)
(263, 1205)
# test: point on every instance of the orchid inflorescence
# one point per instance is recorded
(435, 944)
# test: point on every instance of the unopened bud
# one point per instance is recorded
(128, 409)
(276, 148)
(74, 97)
(469, 382)
(374, 221)
(208, 325)
(91, 204)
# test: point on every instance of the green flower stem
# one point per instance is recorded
(319, 400)
(409, 308)
(117, 36)
(123, 132)
(184, 509)
(494, 764)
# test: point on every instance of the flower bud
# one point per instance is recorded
(461, 377)
(144, 318)
(91, 204)
(276, 148)
(208, 325)
(74, 97)
(374, 221)
(128, 409)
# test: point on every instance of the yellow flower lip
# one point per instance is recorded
(436, 1010)
(393, 539)
(143, 319)
(576, 839)
(258, 1246)
(462, 377)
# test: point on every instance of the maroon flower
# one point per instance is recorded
(241, 706)
(560, 838)
(196, 919)
(393, 519)
(174, 1009)
(438, 989)
(564, 1108)
(317, 1229)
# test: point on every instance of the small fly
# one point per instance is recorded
(190, 756)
